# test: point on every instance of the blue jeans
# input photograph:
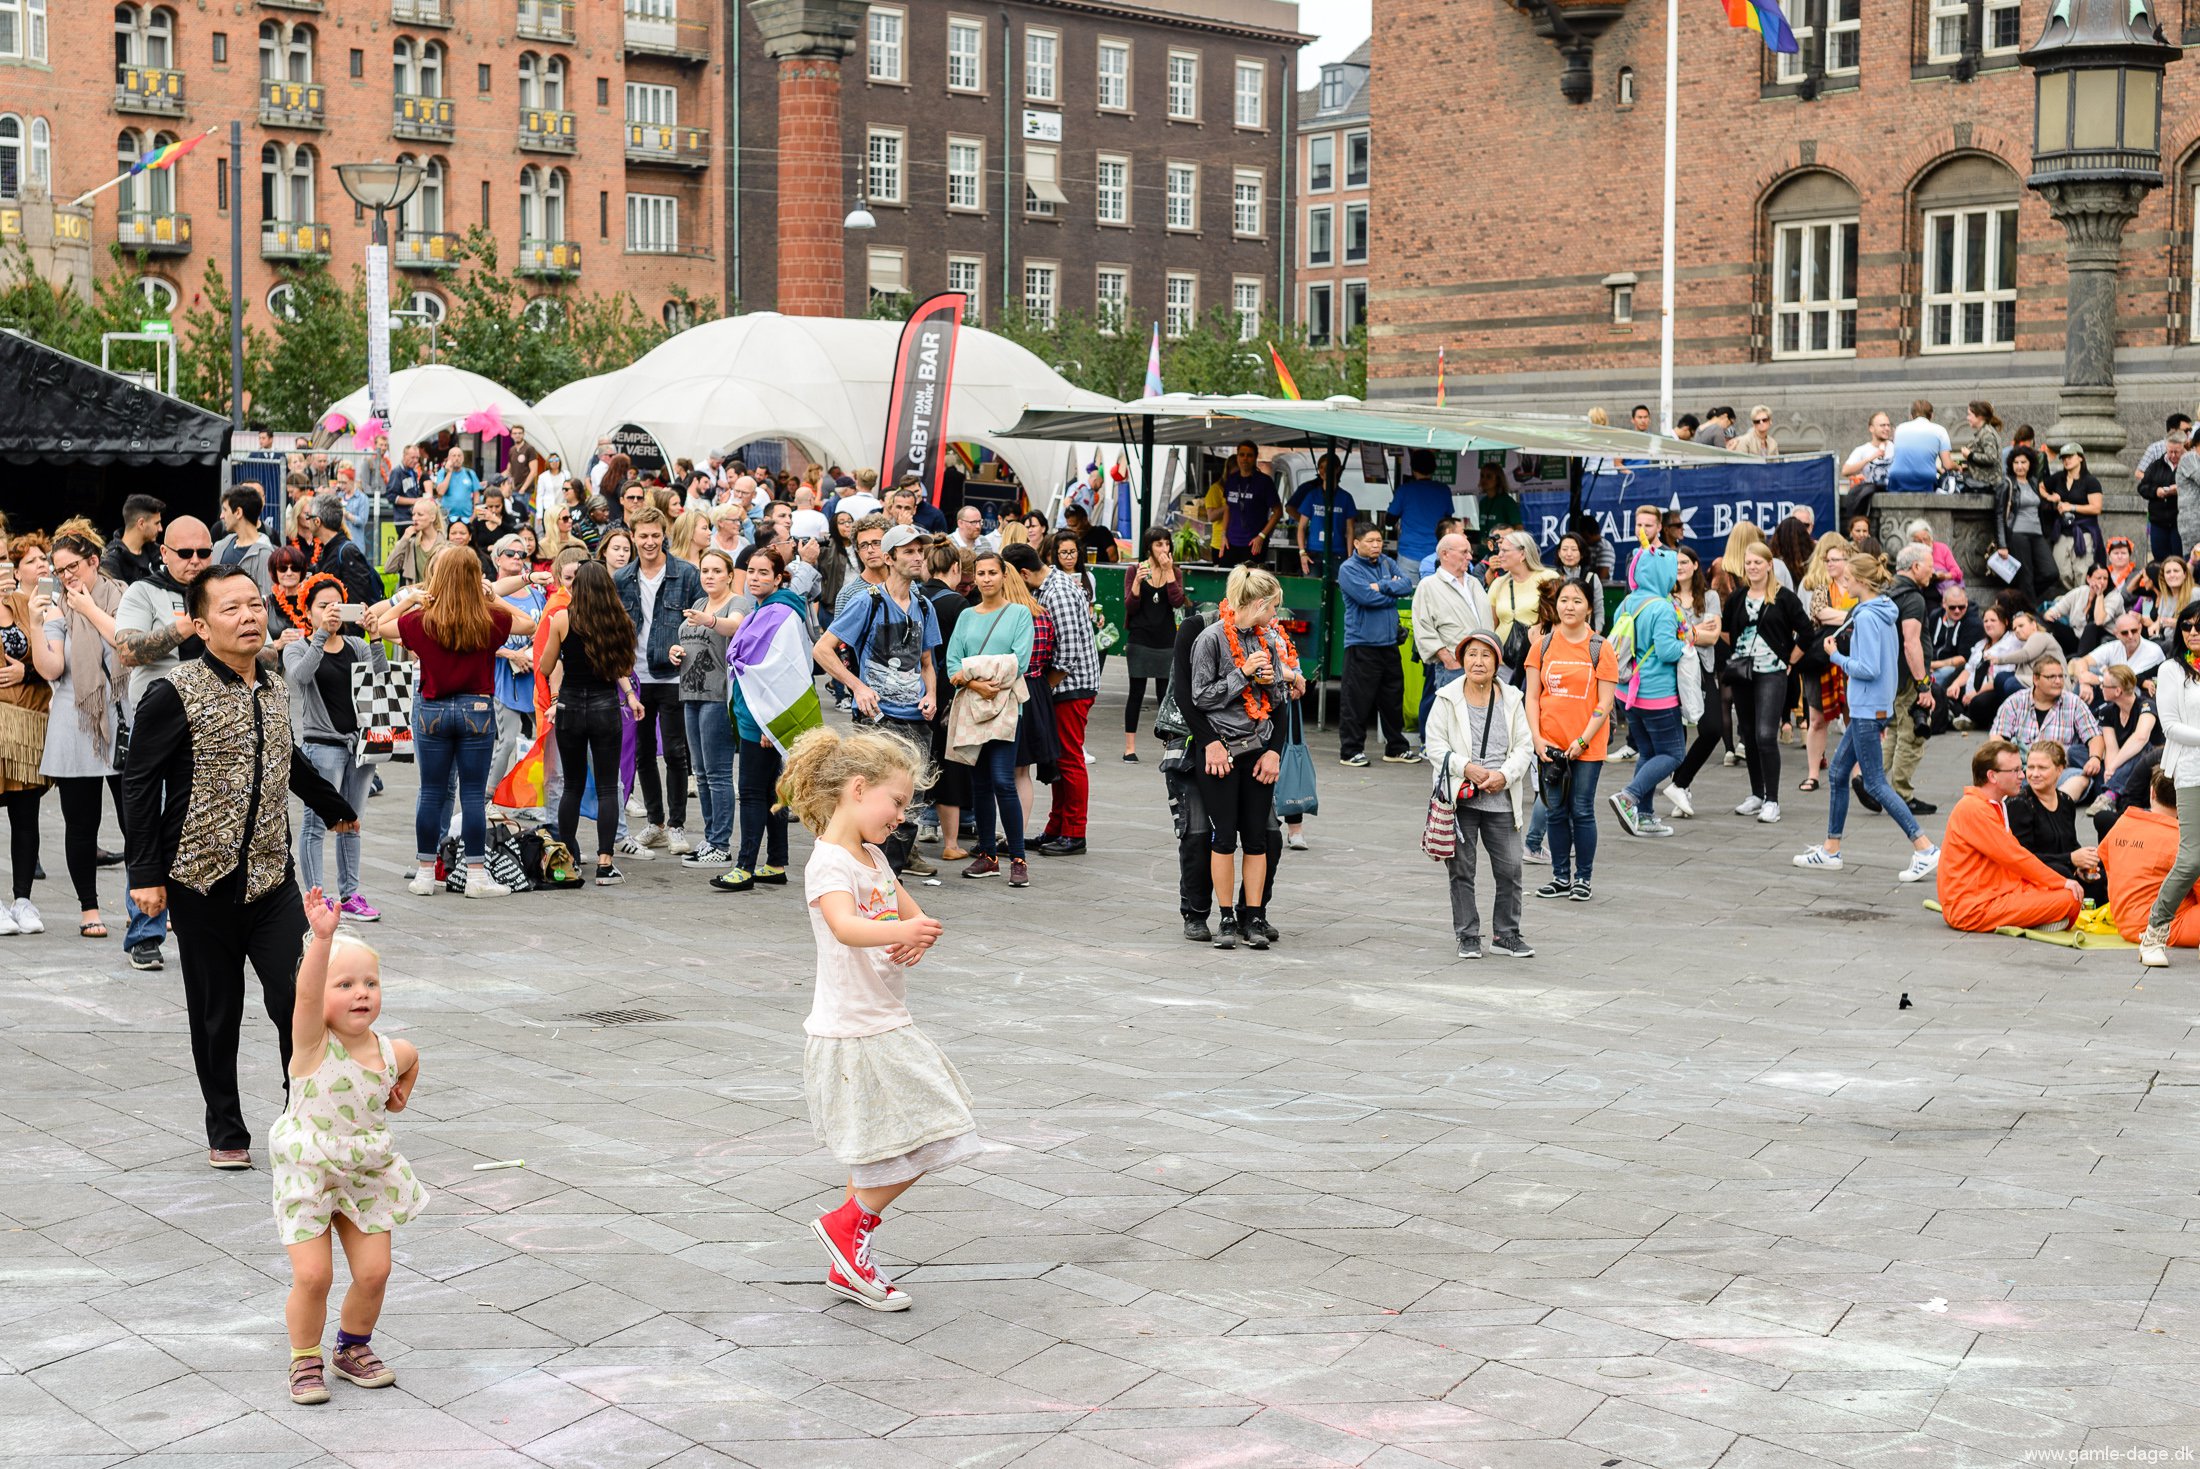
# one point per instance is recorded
(1539, 826)
(1659, 743)
(993, 792)
(453, 736)
(1433, 677)
(1859, 753)
(711, 743)
(338, 769)
(142, 930)
(1572, 804)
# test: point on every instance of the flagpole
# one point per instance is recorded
(89, 195)
(1665, 280)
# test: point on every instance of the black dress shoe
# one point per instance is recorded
(1919, 806)
(1864, 797)
(1062, 847)
(106, 858)
(1196, 930)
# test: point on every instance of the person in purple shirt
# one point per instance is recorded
(1254, 508)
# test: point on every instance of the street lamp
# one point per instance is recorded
(859, 218)
(380, 187)
(2096, 152)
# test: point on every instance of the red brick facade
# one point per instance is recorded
(813, 196)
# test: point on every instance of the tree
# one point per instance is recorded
(203, 367)
(320, 349)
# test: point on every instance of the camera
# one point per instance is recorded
(1552, 754)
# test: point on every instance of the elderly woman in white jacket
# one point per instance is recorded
(1478, 745)
(2177, 700)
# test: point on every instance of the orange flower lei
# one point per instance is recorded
(1257, 704)
(295, 610)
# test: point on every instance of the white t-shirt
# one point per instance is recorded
(595, 474)
(859, 991)
(649, 585)
(1864, 454)
(2109, 654)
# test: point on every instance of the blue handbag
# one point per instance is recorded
(1295, 793)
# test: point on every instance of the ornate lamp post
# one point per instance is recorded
(2096, 152)
(380, 187)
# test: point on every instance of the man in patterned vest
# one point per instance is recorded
(206, 796)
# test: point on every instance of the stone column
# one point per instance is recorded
(2093, 215)
(809, 39)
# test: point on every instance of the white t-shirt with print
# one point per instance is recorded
(859, 991)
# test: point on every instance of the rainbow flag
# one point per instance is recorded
(1763, 17)
(1283, 374)
(165, 156)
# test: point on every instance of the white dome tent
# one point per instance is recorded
(822, 382)
(426, 400)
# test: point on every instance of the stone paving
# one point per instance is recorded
(1687, 1189)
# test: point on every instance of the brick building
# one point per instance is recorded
(579, 134)
(1335, 155)
(1853, 226)
(1096, 157)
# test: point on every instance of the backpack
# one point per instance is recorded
(1596, 649)
(1624, 654)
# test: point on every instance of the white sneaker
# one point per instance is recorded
(1624, 752)
(423, 885)
(1683, 804)
(1818, 857)
(1750, 806)
(2154, 947)
(480, 884)
(1921, 866)
(9, 928)
(707, 856)
(1731, 760)
(628, 847)
(635, 805)
(1770, 813)
(27, 919)
(651, 836)
(1296, 841)
(677, 841)
(1539, 858)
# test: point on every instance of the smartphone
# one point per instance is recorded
(50, 588)
(351, 611)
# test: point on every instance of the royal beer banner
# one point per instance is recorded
(916, 414)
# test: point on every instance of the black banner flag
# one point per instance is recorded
(916, 414)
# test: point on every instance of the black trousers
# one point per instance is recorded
(589, 729)
(1195, 880)
(22, 809)
(216, 935)
(662, 727)
(1374, 691)
(1710, 730)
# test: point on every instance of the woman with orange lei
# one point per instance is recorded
(287, 599)
(1238, 674)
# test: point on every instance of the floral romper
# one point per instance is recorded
(333, 1155)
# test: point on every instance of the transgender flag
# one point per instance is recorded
(770, 659)
(1153, 364)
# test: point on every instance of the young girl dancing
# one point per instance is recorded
(881, 1095)
(334, 1164)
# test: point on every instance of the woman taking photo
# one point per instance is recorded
(1571, 673)
(2073, 495)
(700, 655)
(1769, 624)
(1870, 664)
(1481, 754)
(73, 652)
(763, 819)
(1235, 683)
(995, 627)
(1153, 596)
(1827, 599)
(453, 627)
(589, 658)
(25, 699)
(317, 669)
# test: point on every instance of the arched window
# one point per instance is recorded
(530, 203)
(41, 154)
(11, 156)
(159, 193)
(429, 304)
(299, 54)
(1967, 266)
(1626, 89)
(160, 38)
(129, 147)
(159, 296)
(530, 79)
(405, 67)
(553, 84)
(271, 50)
(553, 206)
(543, 314)
(281, 303)
(302, 182)
(431, 69)
(1811, 226)
(678, 315)
(286, 183)
(423, 212)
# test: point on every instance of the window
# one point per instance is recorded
(1321, 163)
(151, 192)
(427, 308)
(1355, 309)
(965, 56)
(23, 30)
(286, 183)
(157, 296)
(603, 213)
(1180, 304)
(1043, 181)
(886, 276)
(12, 158)
(1318, 300)
(1111, 190)
(1184, 86)
(647, 103)
(966, 273)
(1041, 290)
(1252, 84)
(882, 175)
(423, 212)
(144, 37)
(1245, 203)
(1332, 88)
(1183, 197)
(603, 91)
(282, 303)
(542, 204)
(2002, 20)
(1245, 306)
(542, 82)
(1321, 236)
(542, 314)
(1111, 298)
(221, 48)
(1355, 234)
(1814, 289)
(1356, 150)
(1115, 76)
(286, 52)
(1970, 279)
(1945, 25)
(1622, 288)
(481, 78)
(1042, 65)
(883, 56)
(41, 154)
(358, 62)
(1626, 89)
(965, 172)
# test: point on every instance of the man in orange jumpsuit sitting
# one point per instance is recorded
(1987, 879)
(2137, 854)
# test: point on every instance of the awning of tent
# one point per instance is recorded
(56, 409)
(1187, 418)
(426, 400)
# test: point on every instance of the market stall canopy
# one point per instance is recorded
(1194, 418)
(820, 381)
(57, 409)
(426, 400)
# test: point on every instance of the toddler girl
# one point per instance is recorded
(334, 1164)
(881, 1095)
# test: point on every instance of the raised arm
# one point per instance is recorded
(308, 1013)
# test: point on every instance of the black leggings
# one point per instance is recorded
(80, 811)
(763, 830)
(22, 809)
(1710, 730)
(1761, 708)
(1237, 805)
(588, 730)
(662, 727)
(1136, 704)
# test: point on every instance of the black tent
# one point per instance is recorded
(76, 440)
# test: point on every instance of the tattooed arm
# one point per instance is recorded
(143, 647)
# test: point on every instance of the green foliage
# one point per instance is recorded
(203, 372)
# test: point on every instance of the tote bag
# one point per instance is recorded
(381, 699)
(1296, 796)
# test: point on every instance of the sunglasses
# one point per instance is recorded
(1760, 422)
(191, 553)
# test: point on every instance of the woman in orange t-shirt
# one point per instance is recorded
(1570, 675)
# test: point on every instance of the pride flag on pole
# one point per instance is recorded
(1283, 374)
(1153, 364)
(770, 659)
(1763, 17)
(166, 155)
